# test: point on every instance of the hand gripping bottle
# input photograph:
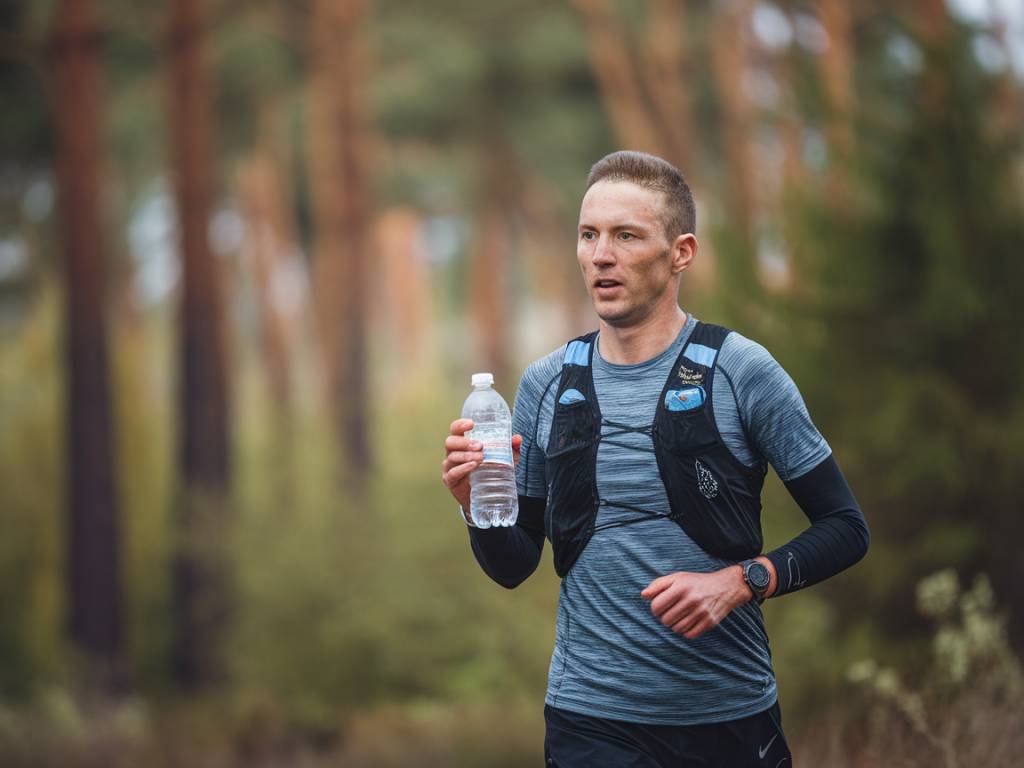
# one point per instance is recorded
(493, 495)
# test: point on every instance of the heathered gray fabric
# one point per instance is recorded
(612, 658)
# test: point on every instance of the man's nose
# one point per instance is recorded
(603, 254)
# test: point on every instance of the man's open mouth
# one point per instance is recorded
(606, 283)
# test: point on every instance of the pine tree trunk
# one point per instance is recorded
(488, 274)
(619, 77)
(642, 82)
(268, 244)
(402, 301)
(729, 61)
(789, 118)
(1009, 113)
(94, 579)
(934, 29)
(670, 99)
(201, 570)
(549, 252)
(738, 261)
(837, 75)
(340, 149)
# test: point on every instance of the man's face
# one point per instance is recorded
(622, 249)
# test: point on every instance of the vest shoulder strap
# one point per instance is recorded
(580, 350)
(704, 343)
(577, 382)
(695, 365)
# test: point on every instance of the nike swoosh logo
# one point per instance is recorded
(764, 750)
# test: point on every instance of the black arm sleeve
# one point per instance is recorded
(510, 555)
(837, 538)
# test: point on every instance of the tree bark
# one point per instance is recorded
(934, 28)
(670, 99)
(836, 66)
(789, 119)
(549, 251)
(269, 245)
(1008, 100)
(94, 579)
(402, 298)
(488, 272)
(738, 262)
(729, 62)
(340, 149)
(618, 77)
(837, 75)
(642, 83)
(201, 572)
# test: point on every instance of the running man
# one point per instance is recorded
(643, 449)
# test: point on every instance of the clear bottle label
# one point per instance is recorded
(496, 437)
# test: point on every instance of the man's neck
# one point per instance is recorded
(634, 344)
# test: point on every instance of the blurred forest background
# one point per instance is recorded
(250, 252)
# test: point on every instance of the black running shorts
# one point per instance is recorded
(580, 741)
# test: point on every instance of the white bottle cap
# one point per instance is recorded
(482, 379)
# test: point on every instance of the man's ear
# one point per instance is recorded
(684, 251)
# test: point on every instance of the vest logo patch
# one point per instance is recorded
(571, 396)
(685, 399)
(705, 480)
(690, 376)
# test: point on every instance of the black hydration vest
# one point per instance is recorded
(711, 494)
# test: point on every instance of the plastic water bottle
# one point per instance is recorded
(493, 495)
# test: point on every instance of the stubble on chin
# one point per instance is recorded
(614, 316)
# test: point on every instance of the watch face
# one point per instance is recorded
(758, 575)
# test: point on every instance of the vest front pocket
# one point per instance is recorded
(572, 503)
(685, 433)
(572, 428)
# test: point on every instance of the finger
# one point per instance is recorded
(461, 457)
(677, 613)
(453, 443)
(656, 587)
(461, 426)
(448, 466)
(688, 623)
(455, 475)
(517, 444)
(669, 597)
(702, 626)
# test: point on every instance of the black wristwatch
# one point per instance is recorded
(757, 578)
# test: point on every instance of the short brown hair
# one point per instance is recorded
(650, 172)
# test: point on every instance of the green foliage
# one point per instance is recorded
(907, 339)
(345, 603)
(32, 479)
(481, 77)
(25, 131)
(343, 606)
(145, 388)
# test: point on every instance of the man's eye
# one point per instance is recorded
(626, 235)
(587, 235)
